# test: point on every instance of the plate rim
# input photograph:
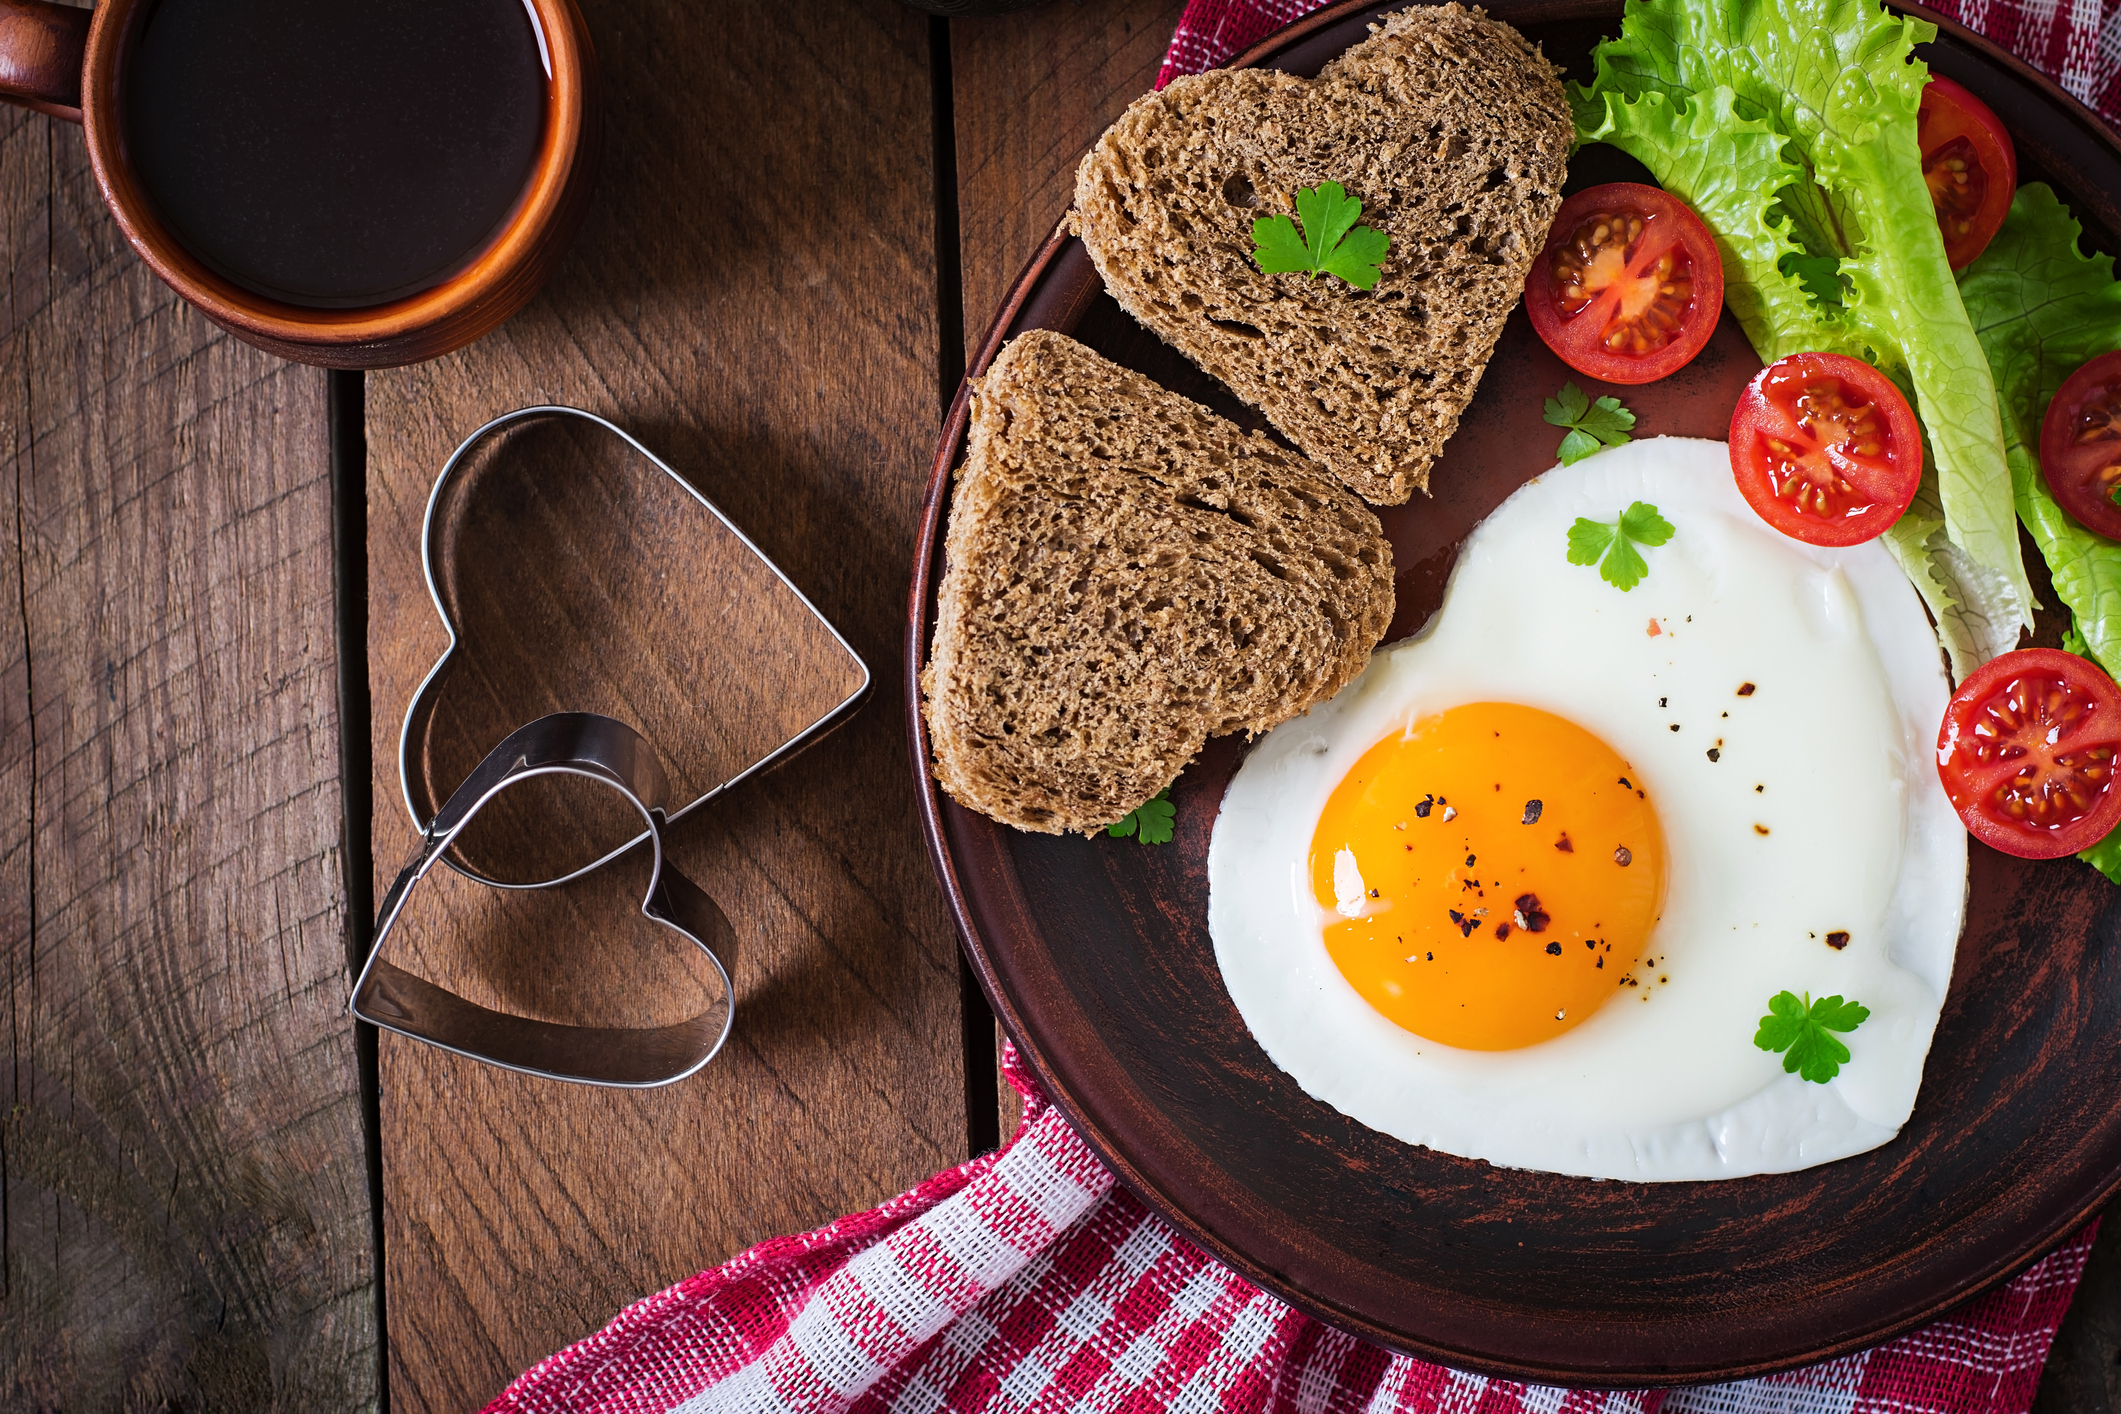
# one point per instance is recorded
(921, 600)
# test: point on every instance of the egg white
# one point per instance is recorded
(1663, 1082)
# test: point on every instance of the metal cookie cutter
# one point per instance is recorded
(420, 793)
(600, 749)
(578, 744)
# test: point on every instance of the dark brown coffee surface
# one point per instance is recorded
(331, 153)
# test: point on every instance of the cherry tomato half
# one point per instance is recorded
(2026, 753)
(1970, 165)
(1629, 286)
(2080, 445)
(1825, 449)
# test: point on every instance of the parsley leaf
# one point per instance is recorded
(1614, 542)
(1280, 249)
(1576, 446)
(1149, 822)
(1589, 540)
(1331, 241)
(1592, 426)
(1800, 1029)
(1641, 522)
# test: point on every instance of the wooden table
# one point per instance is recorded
(219, 1195)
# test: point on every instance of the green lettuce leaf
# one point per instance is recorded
(1789, 126)
(1971, 603)
(2042, 309)
(2105, 856)
(1730, 170)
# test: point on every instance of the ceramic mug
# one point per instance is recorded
(71, 62)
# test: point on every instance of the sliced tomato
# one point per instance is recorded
(1825, 449)
(2080, 445)
(1629, 286)
(2026, 753)
(1970, 165)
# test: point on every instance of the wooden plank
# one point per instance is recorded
(1031, 92)
(754, 297)
(186, 1219)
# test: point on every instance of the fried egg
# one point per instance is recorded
(1523, 890)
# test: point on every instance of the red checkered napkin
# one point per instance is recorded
(2076, 42)
(1026, 1280)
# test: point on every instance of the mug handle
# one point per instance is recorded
(42, 47)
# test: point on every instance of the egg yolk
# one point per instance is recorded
(1491, 875)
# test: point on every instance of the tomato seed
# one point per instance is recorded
(2099, 420)
(1957, 183)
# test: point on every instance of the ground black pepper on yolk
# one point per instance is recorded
(1515, 919)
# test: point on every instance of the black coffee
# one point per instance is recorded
(335, 153)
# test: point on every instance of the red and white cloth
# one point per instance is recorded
(1027, 1281)
(2076, 42)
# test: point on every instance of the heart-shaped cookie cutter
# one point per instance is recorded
(600, 749)
(419, 715)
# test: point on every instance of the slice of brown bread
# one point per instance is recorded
(1454, 133)
(1127, 575)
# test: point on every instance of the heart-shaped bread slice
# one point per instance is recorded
(1129, 574)
(1454, 133)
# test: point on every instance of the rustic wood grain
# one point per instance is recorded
(753, 295)
(1032, 92)
(186, 1217)
(547, 493)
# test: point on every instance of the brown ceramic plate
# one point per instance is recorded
(1096, 956)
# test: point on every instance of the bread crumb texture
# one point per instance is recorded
(1127, 575)
(1453, 131)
